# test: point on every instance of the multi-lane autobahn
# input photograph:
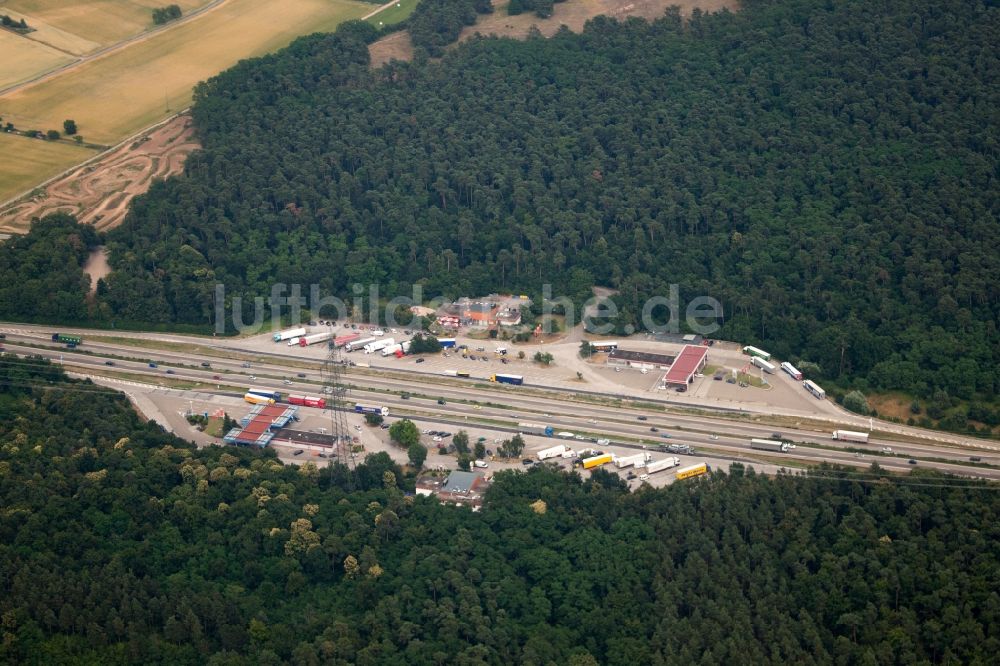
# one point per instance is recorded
(628, 422)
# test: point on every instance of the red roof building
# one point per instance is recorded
(690, 361)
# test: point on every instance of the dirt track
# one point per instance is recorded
(98, 193)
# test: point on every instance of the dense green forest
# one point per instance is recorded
(435, 24)
(120, 543)
(828, 171)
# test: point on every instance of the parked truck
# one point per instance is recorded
(763, 365)
(597, 461)
(552, 452)
(315, 338)
(447, 343)
(392, 349)
(660, 465)
(692, 470)
(517, 380)
(403, 350)
(775, 445)
(815, 389)
(354, 345)
(565, 434)
(307, 401)
(378, 345)
(343, 340)
(255, 399)
(792, 370)
(534, 429)
(850, 436)
(371, 409)
(289, 334)
(637, 460)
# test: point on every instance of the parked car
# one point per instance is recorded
(420, 360)
(527, 461)
(298, 452)
(437, 438)
(384, 426)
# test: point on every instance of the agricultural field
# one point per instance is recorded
(115, 96)
(392, 15)
(82, 26)
(35, 161)
(23, 58)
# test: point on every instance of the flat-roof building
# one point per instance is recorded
(639, 359)
(689, 362)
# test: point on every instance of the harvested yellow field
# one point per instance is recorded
(101, 21)
(36, 160)
(23, 58)
(50, 35)
(114, 96)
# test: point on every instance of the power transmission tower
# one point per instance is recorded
(336, 405)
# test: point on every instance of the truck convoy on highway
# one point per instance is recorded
(769, 445)
(307, 401)
(289, 334)
(371, 409)
(659, 465)
(552, 452)
(315, 338)
(791, 370)
(850, 436)
(535, 429)
(763, 365)
(758, 353)
(692, 470)
(67, 339)
(517, 380)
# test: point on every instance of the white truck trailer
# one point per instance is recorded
(766, 366)
(775, 445)
(289, 334)
(379, 345)
(638, 460)
(358, 344)
(315, 338)
(850, 436)
(552, 452)
(660, 465)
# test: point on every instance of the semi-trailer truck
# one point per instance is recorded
(763, 365)
(850, 436)
(815, 389)
(660, 465)
(534, 429)
(392, 349)
(403, 350)
(769, 445)
(67, 339)
(516, 380)
(307, 401)
(358, 344)
(265, 393)
(289, 334)
(378, 345)
(759, 353)
(255, 399)
(371, 409)
(447, 343)
(552, 452)
(692, 470)
(638, 460)
(597, 461)
(342, 340)
(315, 338)
(791, 370)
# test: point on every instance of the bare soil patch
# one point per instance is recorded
(98, 193)
(97, 267)
(572, 13)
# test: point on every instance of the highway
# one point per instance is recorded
(501, 408)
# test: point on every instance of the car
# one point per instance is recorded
(378, 333)
(643, 477)
(886, 449)
(301, 374)
(654, 429)
(489, 452)
(477, 407)
(407, 332)
(169, 371)
(152, 365)
(775, 435)
(440, 401)
(665, 435)
(641, 418)
(109, 363)
(354, 326)
(216, 377)
(912, 461)
(730, 380)
(481, 464)
(246, 364)
(405, 396)
(286, 381)
(527, 461)
(384, 426)
(252, 377)
(420, 360)
(312, 323)
(322, 455)
(717, 378)
(975, 459)
(437, 438)
(480, 348)
(631, 475)
(206, 364)
(713, 437)
(446, 434)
